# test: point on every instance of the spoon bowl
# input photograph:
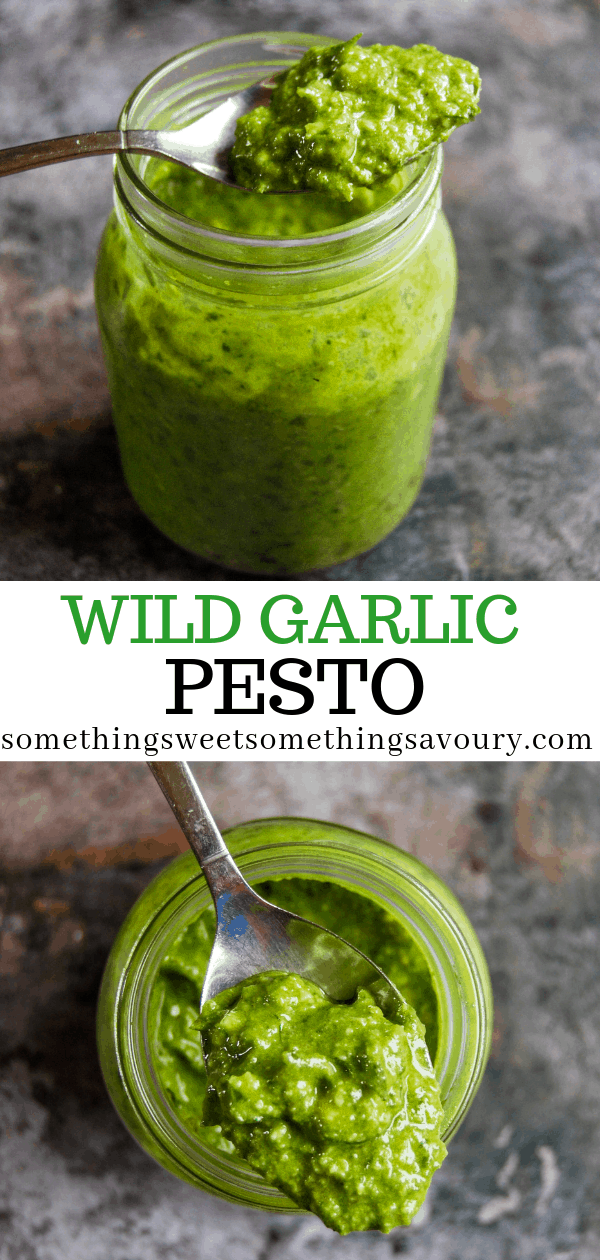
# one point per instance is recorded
(253, 935)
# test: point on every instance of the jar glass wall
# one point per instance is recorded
(273, 395)
(281, 849)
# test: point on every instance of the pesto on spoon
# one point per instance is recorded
(320, 1078)
(346, 117)
(335, 1104)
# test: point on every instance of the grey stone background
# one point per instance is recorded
(511, 488)
(518, 844)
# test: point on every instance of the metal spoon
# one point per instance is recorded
(252, 934)
(203, 145)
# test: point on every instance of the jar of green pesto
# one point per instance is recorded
(274, 361)
(381, 899)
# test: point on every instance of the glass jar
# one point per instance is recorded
(273, 397)
(276, 849)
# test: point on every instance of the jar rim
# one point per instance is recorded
(370, 866)
(167, 87)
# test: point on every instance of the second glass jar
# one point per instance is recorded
(273, 395)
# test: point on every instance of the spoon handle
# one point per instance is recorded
(23, 157)
(199, 827)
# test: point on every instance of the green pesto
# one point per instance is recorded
(333, 1103)
(250, 213)
(271, 435)
(174, 1038)
(345, 118)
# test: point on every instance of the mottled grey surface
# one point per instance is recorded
(519, 845)
(511, 486)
